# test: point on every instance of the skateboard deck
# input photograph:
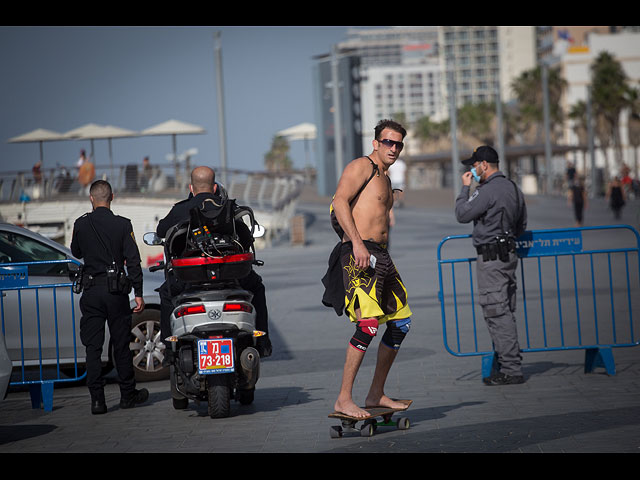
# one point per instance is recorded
(370, 424)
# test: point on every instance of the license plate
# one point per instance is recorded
(215, 356)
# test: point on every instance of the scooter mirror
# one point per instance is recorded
(150, 238)
(258, 231)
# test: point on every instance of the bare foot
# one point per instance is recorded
(348, 407)
(383, 401)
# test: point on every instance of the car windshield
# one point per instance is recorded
(15, 248)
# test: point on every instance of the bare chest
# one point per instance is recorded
(377, 194)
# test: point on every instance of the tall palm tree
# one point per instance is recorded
(277, 159)
(529, 95)
(578, 113)
(610, 93)
(633, 126)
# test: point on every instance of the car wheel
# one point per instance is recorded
(147, 347)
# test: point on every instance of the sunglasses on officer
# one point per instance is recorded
(390, 143)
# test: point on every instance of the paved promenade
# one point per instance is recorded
(558, 409)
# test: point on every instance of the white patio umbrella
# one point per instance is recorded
(39, 135)
(84, 132)
(108, 132)
(303, 131)
(173, 128)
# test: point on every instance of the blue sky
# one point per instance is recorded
(60, 78)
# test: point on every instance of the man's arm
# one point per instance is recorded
(165, 224)
(470, 208)
(134, 269)
(75, 245)
(353, 177)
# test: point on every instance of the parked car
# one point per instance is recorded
(56, 310)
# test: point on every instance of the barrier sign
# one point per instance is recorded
(14, 276)
(534, 243)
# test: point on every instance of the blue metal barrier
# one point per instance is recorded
(23, 327)
(581, 294)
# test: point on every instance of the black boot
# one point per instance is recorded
(138, 397)
(98, 406)
(263, 345)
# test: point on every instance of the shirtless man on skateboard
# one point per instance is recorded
(374, 293)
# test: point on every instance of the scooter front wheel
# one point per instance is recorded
(219, 391)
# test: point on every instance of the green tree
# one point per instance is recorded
(476, 120)
(277, 159)
(633, 126)
(430, 132)
(578, 114)
(527, 89)
(610, 94)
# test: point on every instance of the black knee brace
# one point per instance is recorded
(395, 333)
(366, 329)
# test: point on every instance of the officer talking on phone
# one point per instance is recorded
(105, 241)
(499, 216)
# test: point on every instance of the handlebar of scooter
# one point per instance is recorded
(155, 268)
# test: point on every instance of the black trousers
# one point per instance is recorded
(252, 283)
(97, 306)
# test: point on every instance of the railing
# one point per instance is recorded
(266, 188)
(581, 294)
(274, 194)
(39, 326)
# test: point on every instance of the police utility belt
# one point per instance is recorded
(115, 278)
(500, 249)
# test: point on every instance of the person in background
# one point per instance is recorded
(578, 199)
(616, 197)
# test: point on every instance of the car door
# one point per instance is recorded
(41, 319)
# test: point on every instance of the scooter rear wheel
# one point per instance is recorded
(219, 390)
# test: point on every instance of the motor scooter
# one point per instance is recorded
(213, 334)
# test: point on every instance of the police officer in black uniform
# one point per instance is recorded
(203, 186)
(499, 216)
(102, 239)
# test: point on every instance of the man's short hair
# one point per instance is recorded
(390, 124)
(101, 191)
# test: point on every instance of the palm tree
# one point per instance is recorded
(610, 92)
(633, 126)
(578, 113)
(277, 159)
(528, 92)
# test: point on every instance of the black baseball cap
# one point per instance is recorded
(482, 153)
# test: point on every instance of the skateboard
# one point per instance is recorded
(370, 424)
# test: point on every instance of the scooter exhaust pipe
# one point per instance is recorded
(250, 365)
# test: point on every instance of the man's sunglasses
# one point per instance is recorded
(390, 143)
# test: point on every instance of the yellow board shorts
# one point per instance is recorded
(378, 292)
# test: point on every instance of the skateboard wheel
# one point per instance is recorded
(335, 432)
(403, 423)
(366, 430)
(373, 423)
